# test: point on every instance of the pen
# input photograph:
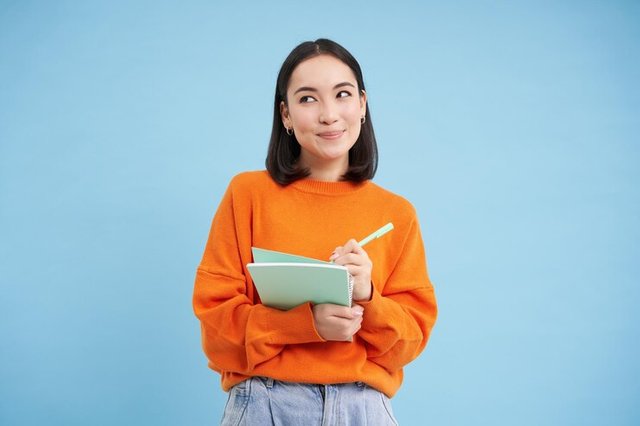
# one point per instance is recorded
(376, 234)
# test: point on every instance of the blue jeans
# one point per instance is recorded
(264, 401)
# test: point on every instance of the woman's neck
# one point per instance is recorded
(324, 170)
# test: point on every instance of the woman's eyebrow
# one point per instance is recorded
(312, 89)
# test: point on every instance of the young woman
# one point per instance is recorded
(315, 364)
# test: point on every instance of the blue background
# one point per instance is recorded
(511, 126)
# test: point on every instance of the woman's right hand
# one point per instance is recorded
(335, 322)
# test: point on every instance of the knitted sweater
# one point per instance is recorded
(243, 338)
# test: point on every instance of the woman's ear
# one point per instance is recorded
(284, 115)
(363, 103)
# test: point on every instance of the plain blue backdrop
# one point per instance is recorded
(511, 126)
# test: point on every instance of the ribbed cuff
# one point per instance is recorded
(296, 326)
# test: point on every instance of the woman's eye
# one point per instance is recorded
(306, 99)
(343, 94)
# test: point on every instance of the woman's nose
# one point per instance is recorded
(328, 114)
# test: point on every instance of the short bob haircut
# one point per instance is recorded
(284, 150)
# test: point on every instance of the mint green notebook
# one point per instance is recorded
(284, 280)
(263, 256)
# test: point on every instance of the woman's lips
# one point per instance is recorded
(331, 135)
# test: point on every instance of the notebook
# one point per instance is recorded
(285, 280)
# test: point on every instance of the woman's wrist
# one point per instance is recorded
(363, 296)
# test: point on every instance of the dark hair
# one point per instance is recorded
(284, 150)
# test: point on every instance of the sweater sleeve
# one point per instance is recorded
(398, 319)
(238, 335)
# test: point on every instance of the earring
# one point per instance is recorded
(290, 131)
(363, 119)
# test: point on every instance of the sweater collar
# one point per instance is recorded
(328, 187)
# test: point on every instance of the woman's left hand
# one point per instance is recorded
(359, 265)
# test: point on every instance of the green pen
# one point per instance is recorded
(377, 234)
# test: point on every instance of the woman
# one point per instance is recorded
(315, 364)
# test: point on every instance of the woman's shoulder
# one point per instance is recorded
(251, 180)
(396, 200)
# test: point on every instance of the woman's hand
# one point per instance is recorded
(335, 322)
(359, 265)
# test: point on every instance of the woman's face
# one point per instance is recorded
(324, 109)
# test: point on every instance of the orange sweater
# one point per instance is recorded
(243, 338)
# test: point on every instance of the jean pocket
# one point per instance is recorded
(386, 403)
(236, 403)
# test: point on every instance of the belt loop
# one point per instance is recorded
(269, 382)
